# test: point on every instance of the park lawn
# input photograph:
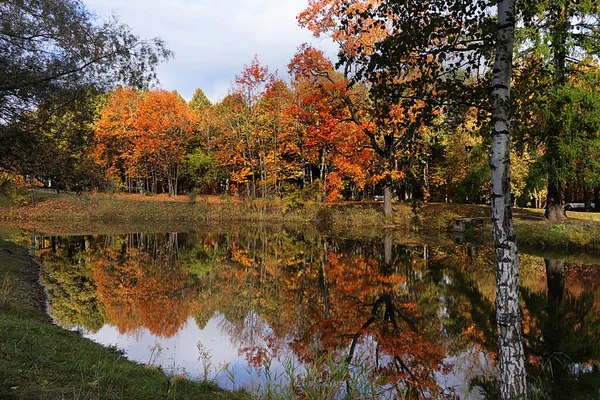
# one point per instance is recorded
(135, 207)
(39, 360)
(69, 213)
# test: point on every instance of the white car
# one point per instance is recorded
(578, 205)
(378, 197)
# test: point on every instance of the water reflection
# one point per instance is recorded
(563, 330)
(419, 318)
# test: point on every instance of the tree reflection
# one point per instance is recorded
(141, 284)
(408, 315)
(130, 281)
(562, 331)
(69, 284)
(362, 304)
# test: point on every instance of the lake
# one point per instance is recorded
(291, 310)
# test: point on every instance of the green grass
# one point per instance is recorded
(567, 235)
(67, 210)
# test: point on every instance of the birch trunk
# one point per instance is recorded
(508, 315)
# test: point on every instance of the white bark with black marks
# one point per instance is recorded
(508, 317)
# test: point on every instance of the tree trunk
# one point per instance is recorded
(555, 204)
(387, 201)
(169, 183)
(586, 200)
(175, 181)
(508, 313)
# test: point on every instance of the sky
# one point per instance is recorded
(214, 39)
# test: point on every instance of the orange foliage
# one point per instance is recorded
(138, 290)
(328, 136)
(143, 134)
(328, 303)
(323, 18)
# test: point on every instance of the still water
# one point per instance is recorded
(287, 310)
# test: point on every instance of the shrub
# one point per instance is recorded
(192, 196)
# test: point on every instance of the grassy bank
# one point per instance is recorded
(135, 208)
(68, 213)
(181, 209)
(39, 360)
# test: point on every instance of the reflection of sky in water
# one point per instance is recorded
(179, 354)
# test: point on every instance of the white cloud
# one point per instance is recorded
(213, 39)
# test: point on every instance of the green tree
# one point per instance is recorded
(199, 101)
(554, 38)
(201, 170)
(50, 50)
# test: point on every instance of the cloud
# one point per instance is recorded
(213, 39)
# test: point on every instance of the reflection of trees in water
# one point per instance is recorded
(69, 283)
(331, 296)
(403, 309)
(560, 318)
(562, 330)
(137, 279)
(141, 283)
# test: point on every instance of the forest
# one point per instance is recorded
(396, 112)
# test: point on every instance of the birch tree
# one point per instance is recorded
(508, 315)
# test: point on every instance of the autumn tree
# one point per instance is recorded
(395, 116)
(281, 166)
(326, 136)
(165, 126)
(143, 137)
(242, 140)
(255, 128)
(114, 131)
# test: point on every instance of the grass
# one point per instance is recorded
(567, 235)
(69, 213)
(39, 360)
(210, 209)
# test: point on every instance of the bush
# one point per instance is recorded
(311, 192)
(14, 191)
(192, 196)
